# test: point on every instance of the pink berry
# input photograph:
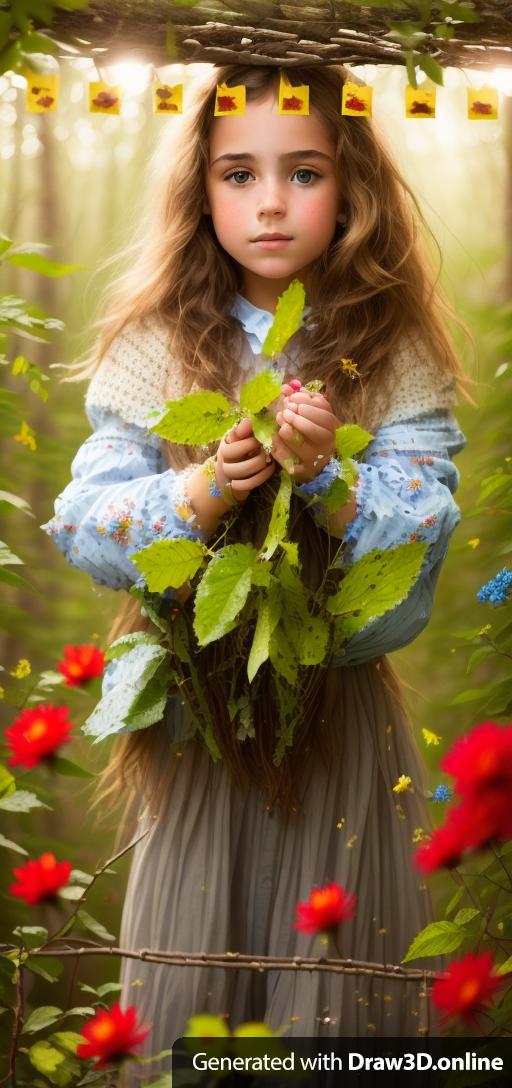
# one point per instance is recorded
(295, 384)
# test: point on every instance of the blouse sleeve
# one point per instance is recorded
(404, 493)
(121, 498)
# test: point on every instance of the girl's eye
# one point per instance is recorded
(301, 170)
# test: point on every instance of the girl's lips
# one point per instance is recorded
(272, 243)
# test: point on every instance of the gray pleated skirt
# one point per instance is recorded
(220, 873)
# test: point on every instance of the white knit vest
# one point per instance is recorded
(136, 377)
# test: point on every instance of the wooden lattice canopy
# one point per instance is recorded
(279, 33)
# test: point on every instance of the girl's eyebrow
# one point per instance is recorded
(309, 154)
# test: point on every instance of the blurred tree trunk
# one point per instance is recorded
(507, 280)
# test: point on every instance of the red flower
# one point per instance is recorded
(38, 880)
(37, 734)
(325, 909)
(81, 663)
(447, 844)
(469, 985)
(481, 759)
(111, 1035)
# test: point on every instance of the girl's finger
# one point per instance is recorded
(315, 414)
(319, 437)
(237, 450)
(243, 469)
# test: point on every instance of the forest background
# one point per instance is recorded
(74, 181)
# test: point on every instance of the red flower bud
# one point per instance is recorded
(111, 1035)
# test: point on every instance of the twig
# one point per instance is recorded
(240, 961)
(18, 1020)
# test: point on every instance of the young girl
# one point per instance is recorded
(235, 845)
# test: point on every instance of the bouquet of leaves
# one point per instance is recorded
(255, 590)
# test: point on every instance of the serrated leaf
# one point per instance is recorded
(287, 318)
(351, 439)
(150, 705)
(282, 654)
(127, 642)
(141, 664)
(41, 1018)
(435, 939)
(260, 391)
(279, 518)
(169, 562)
(375, 584)
(196, 419)
(260, 646)
(223, 591)
(94, 926)
(465, 915)
(21, 801)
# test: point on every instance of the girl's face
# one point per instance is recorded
(272, 173)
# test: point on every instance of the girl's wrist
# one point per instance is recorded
(321, 482)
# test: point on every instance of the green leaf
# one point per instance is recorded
(196, 419)
(431, 68)
(436, 939)
(21, 801)
(8, 557)
(351, 439)
(67, 1040)
(455, 899)
(109, 988)
(282, 654)
(465, 915)
(34, 262)
(94, 926)
(45, 1058)
(8, 845)
(260, 391)
(149, 706)
(127, 642)
(169, 562)
(260, 647)
(74, 770)
(223, 591)
(32, 936)
(34, 42)
(71, 891)
(264, 425)
(505, 967)
(115, 707)
(375, 584)
(411, 68)
(307, 635)
(336, 496)
(287, 319)
(279, 517)
(261, 573)
(291, 550)
(47, 967)
(41, 1018)
(16, 500)
(7, 782)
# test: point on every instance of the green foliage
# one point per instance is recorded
(196, 419)
(435, 939)
(376, 584)
(287, 319)
(19, 40)
(170, 563)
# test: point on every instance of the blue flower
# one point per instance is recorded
(442, 793)
(498, 589)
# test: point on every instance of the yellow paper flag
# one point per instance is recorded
(356, 100)
(167, 99)
(103, 98)
(42, 92)
(419, 103)
(292, 99)
(482, 104)
(229, 100)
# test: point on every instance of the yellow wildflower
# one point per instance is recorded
(474, 542)
(22, 669)
(26, 436)
(419, 835)
(483, 630)
(348, 366)
(430, 738)
(403, 784)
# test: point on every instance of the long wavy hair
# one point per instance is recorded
(372, 286)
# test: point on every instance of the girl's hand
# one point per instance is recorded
(305, 441)
(242, 464)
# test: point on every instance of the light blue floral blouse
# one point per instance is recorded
(122, 497)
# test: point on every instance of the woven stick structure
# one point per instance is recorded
(279, 33)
